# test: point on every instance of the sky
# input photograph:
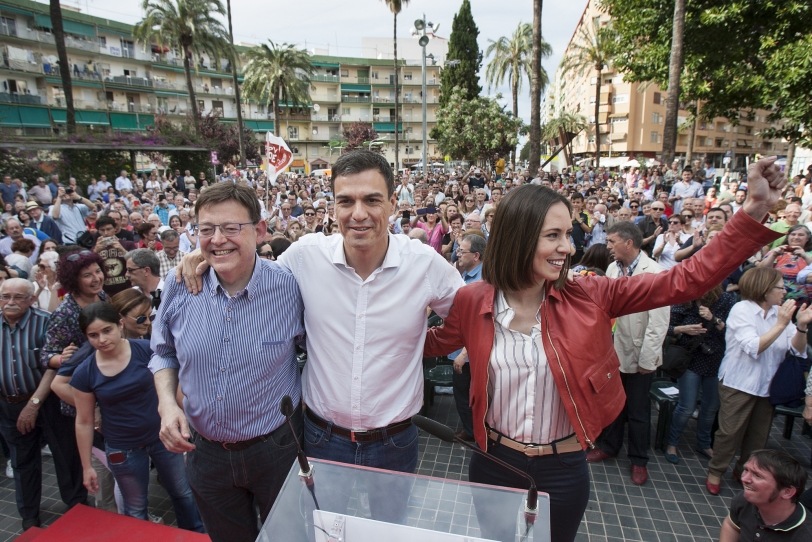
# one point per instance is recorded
(342, 24)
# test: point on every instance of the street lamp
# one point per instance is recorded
(420, 26)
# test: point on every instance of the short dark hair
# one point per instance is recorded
(23, 245)
(169, 235)
(101, 310)
(279, 245)
(719, 209)
(144, 257)
(144, 228)
(478, 244)
(626, 231)
(576, 195)
(785, 469)
(456, 216)
(223, 192)
(360, 161)
(105, 221)
(511, 248)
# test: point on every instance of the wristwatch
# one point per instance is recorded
(717, 321)
(36, 401)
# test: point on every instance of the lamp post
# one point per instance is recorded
(420, 25)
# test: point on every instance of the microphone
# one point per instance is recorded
(446, 434)
(286, 408)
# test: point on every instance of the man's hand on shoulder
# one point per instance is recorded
(191, 269)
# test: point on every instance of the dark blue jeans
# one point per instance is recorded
(227, 485)
(132, 476)
(690, 384)
(26, 458)
(565, 477)
(397, 453)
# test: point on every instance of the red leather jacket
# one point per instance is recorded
(576, 326)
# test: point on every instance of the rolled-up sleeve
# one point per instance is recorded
(164, 355)
(444, 281)
(742, 330)
(803, 274)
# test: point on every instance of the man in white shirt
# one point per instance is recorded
(638, 342)
(123, 182)
(363, 383)
(405, 191)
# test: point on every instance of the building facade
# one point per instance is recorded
(632, 115)
(120, 84)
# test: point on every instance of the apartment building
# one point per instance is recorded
(120, 84)
(631, 116)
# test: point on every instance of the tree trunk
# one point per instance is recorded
(689, 151)
(535, 91)
(236, 91)
(190, 88)
(397, 109)
(275, 105)
(597, 119)
(64, 64)
(674, 72)
(790, 158)
(515, 92)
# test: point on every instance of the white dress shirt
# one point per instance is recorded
(365, 337)
(743, 368)
(123, 183)
(524, 402)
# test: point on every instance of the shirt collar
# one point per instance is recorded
(20, 323)
(794, 520)
(476, 272)
(251, 288)
(392, 258)
(632, 266)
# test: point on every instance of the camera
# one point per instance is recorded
(696, 344)
(69, 190)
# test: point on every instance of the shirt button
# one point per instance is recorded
(223, 369)
(228, 319)
(608, 375)
(219, 398)
(356, 378)
(226, 339)
(358, 347)
(229, 309)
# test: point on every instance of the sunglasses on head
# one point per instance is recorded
(76, 255)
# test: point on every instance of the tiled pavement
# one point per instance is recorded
(673, 506)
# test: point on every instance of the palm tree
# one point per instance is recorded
(512, 60)
(396, 6)
(279, 74)
(674, 72)
(570, 122)
(535, 90)
(236, 84)
(590, 52)
(191, 27)
(64, 64)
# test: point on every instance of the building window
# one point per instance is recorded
(201, 105)
(654, 137)
(345, 110)
(127, 49)
(293, 132)
(345, 73)
(315, 130)
(607, 81)
(407, 76)
(8, 26)
(374, 75)
(592, 119)
(656, 118)
(217, 107)
(620, 99)
(103, 42)
(657, 98)
(593, 81)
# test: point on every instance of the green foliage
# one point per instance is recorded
(21, 164)
(462, 46)
(739, 55)
(84, 164)
(512, 60)
(571, 122)
(474, 128)
(279, 74)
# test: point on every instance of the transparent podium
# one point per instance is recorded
(346, 503)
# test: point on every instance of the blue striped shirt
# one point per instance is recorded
(235, 356)
(21, 370)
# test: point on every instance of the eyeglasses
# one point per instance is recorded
(310, 214)
(461, 251)
(76, 255)
(687, 215)
(674, 222)
(782, 287)
(134, 269)
(142, 319)
(16, 298)
(658, 208)
(634, 206)
(268, 255)
(229, 229)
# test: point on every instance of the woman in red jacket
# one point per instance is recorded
(544, 372)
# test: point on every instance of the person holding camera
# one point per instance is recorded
(699, 327)
(759, 335)
(69, 211)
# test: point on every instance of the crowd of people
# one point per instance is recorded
(129, 311)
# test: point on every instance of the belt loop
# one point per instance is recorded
(384, 436)
(329, 431)
(498, 438)
(555, 447)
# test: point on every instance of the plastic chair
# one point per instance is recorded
(435, 373)
(667, 404)
(789, 418)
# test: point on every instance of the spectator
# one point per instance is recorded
(69, 211)
(20, 258)
(28, 412)
(46, 287)
(420, 235)
(638, 340)
(113, 250)
(171, 254)
(149, 237)
(759, 334)
(15, 232)
(581, 227)
(685, 188)
(669, 242)
(791, 215)
(488, 223)
(595, 257)
(435, 229)
(41, 193)
(123, 182)
(43, 222)
(451, 239)
(144, 273)
(653, 225)
(699, 327)
(118, 377)
(791, 258)
(768, 508)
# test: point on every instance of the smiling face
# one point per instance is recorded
(760, 487)
(231, 257)
(363, 210)
(553, 244)
(132, 327)
(798, 238)
(91, 280)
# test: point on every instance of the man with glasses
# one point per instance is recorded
(232, 350)
(143, 269)
(28, 411)
(171, 254)
(280, 222)
(653, 225)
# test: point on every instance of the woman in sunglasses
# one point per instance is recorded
(136, 312)
(117, 376)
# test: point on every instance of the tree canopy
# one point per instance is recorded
(462, 46)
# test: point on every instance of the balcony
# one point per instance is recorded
(315, 98)
(76, 73)
(324, 78)
(294, 116)
(419, 100)
(218, 91)
(325, 118)
(419, 81)
(31, 99)
(257, 115)
(355, 99)
(129, 81)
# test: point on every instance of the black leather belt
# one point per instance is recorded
(371, 435)
(15, 399)
(244, 444)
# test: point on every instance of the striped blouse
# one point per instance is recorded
(20, 370)
(524, 402)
